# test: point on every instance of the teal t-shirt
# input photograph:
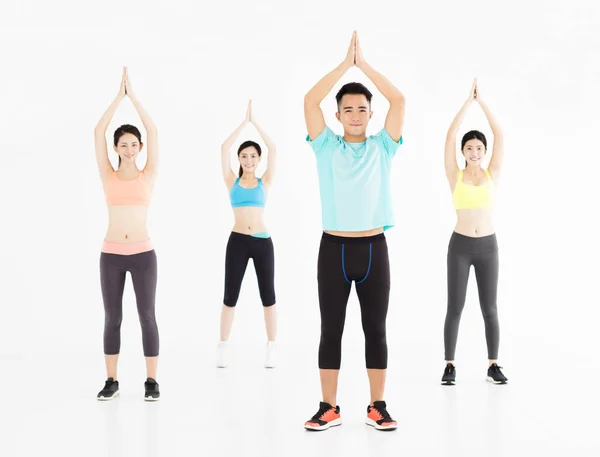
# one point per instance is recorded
(354, 181)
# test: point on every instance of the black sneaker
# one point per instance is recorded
(378, 417)
(495, 375)
(152, 393)
(327, 416)
(110, 391)
(449, 378)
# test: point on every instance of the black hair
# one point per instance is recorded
(472, 135)
(248, 144)
(353, 88)
(126, 128)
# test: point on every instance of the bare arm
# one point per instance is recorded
(495, 166)
(151, 130)
(394, 121)
(228, 174)
(271, 153)
(100, 145)
(313, 115)
(450, 149)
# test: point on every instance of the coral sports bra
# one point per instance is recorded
(467, 196)
(135, 192)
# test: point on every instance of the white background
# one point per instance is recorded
(194, 67)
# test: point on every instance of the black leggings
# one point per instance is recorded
(143, 270)
(482, 253)
(365, 261)
(240, 249)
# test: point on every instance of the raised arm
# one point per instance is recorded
(104, 165)
(450, 149)
(151, 130)
(394, 121)
(313, 115)
(228, 174)
(495, 166)
(271, 152)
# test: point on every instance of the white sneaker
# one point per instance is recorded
(223, 354)
(271, 358)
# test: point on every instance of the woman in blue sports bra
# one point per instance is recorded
(249, 238)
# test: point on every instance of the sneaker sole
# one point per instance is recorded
(151, 399)
(333, 423)
(372, 423)
(490, 379)
(448, 383)
(116, 394)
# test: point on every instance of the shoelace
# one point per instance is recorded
(449, 369)
(384, 414)
(322, 410)
(151, 385)
(108, 384)
(496, 369)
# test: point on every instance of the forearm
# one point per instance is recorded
(320, 90)
(459, 118)
(387, 89)
(104, 121)
(266, 138)
(144, 116)
(231, 138)
(494, 125)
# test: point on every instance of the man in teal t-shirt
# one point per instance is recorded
(354, 182)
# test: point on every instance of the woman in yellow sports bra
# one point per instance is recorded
(473, 241)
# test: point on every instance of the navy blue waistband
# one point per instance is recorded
(353, 239)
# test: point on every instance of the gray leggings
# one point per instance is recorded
(482, 253)
(143, 270)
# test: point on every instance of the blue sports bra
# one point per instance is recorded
(240, 196)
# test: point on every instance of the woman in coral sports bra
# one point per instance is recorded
(249, 237)
(127, 247)
(473, 242)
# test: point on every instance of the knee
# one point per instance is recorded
(148, 319)
(113, 321)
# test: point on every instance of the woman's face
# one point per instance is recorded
(249, 159)
(474, 151)
(128, 147)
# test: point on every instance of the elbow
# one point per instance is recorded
(310, 101)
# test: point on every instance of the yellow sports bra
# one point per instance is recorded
(467, 196)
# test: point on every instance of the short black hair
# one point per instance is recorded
(353, 88)
(473, 135)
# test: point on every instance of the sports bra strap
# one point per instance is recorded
(487, 173)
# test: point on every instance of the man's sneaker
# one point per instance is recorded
(495, 375)
(152, 393)
(449, 378)
(271, 359)
(223, 354)
(327, 416)
(378, 417)
(110, 391)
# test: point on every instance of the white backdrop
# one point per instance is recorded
(194, 67)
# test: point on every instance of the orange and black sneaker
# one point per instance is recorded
(327, 416)
(378, 417)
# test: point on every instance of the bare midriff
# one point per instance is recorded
(375, 231)
(127, 224)
(249, 220)
(474, 222)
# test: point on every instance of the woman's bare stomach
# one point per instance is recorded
(475, 222)
(371, 232)
(249, 220)
(127, 224)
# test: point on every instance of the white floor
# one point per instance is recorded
(248, 410)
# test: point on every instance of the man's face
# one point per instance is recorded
(354, 114)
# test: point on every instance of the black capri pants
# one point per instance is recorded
(240, 249)
(365, 262)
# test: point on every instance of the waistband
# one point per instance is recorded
(353, 240)
(110, 247)
(473, 244)
(253, 236)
